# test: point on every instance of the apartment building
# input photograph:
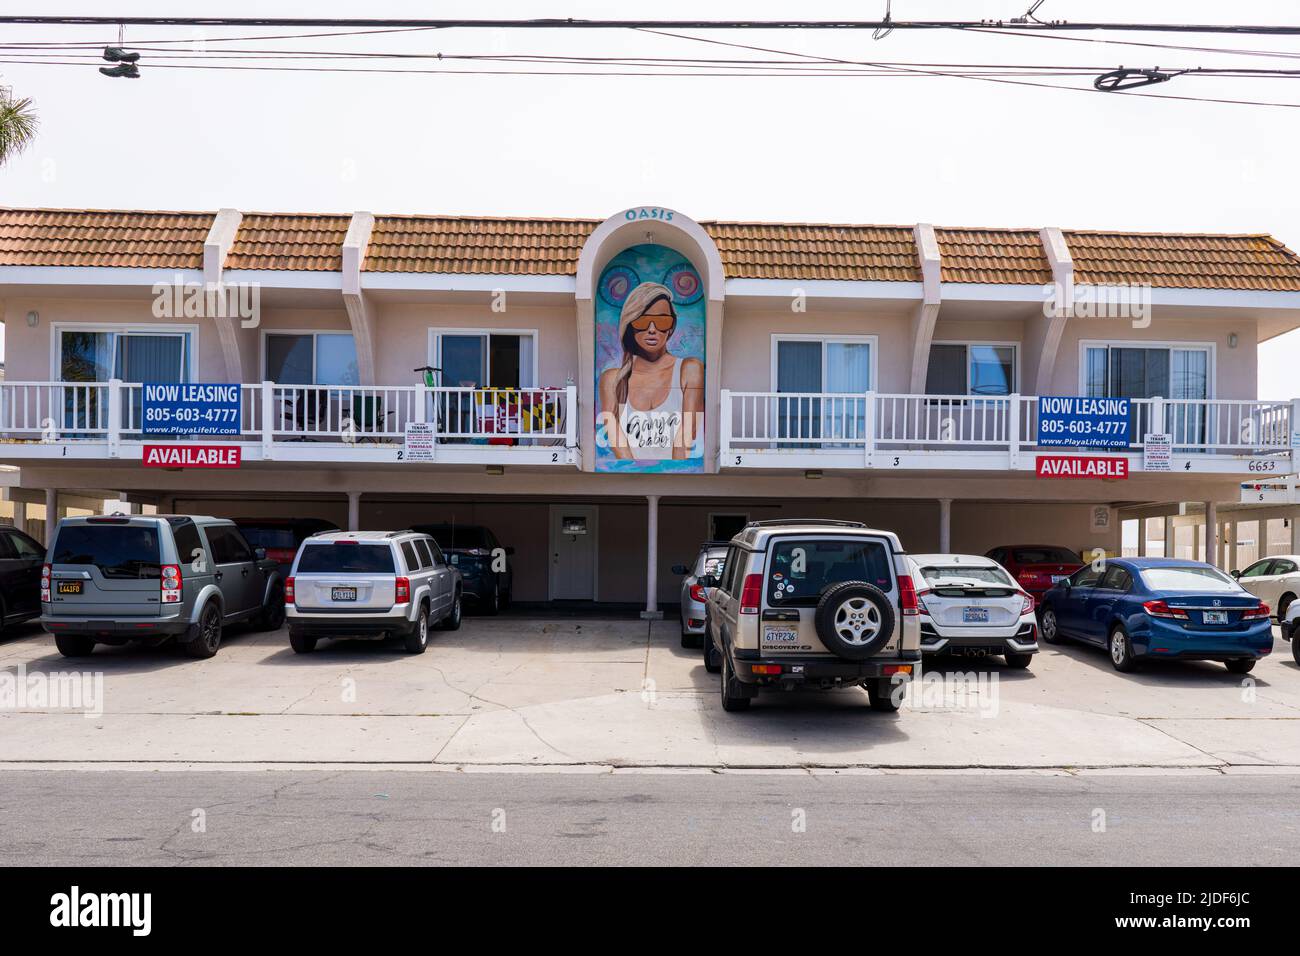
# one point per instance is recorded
(606, 394)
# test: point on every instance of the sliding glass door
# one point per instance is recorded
(1156, 372)
(91, 355)
(821, 366)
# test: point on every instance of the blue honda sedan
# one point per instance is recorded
(1159, 609)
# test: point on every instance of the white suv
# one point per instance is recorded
(370, 584)
(813, 603)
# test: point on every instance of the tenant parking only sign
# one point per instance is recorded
(187, 408)
(1082, 422)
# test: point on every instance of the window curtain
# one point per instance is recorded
(947, 371)
(798, 370)
(149, 358)
(848, 370)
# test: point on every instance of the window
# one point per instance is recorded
(938, 576)
(1179, 372)
(228, 545)
(1283, 566)
(412, 559)
(23, 547)
(1116, 579)
(130, 355)
(1085, 578)
(118, 551)
(803, 365)
(799, 571)
(346, 557)
(425, 548)
(1189, 579)
(969, 369)
(311, 358)
(189, 550)
(475, 359)
(1258, 569)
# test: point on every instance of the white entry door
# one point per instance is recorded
(573, 553)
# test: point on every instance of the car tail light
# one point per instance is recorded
(1028, 606)
(290, 596)
(1257, 613)
(751, 593)
(697, 592)
(45, 583)
(889, 670)
(403, 590)
(171, 584)
(920, 601)
(1161, 609)
(907, 599)
(765, 668)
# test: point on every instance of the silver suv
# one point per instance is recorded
(813, 603)
(116, 578)
(377, 584)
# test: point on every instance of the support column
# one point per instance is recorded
(1142, 537)
(1171, 536)
(652, 612)
(51, 514)
(945, 525)
(1212, 549)
(354, 511)
(20, 514)
(1196, 542)
(1230, 546)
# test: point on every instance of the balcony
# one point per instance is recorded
(308, 423)
(971, 433)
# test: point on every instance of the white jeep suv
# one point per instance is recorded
(376, 584)
(813, 603)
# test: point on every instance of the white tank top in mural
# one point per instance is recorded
(651, 433)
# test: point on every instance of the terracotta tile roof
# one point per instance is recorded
(477, 245)
(488, 245)
(1184, 261)
(92, 237)
(274, 241)
(807, 251)
(1012, 256)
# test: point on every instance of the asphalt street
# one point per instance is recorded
(440, 817)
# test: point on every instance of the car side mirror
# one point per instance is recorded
(1067, 584)
(1235, 573)
(679, 569)
(259, 554)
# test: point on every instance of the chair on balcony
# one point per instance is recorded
(369, 417)
(305, 408)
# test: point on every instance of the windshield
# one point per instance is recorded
(270, 538)
(467, 536)
(1045, 556)
(118, 551)
(346, 558)
(957, 576)
(1190, 579)
(710, 563)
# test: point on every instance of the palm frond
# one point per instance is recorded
(18, 124)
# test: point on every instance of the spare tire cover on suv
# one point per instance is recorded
(854, 619)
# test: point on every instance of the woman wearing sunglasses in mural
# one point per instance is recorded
(656, 398)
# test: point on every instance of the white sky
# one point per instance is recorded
(844, 149)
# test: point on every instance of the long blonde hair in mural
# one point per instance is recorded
(636, 305)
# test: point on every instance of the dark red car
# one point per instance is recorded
(1036, 567)
(281, 536)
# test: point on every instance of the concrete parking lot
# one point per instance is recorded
(529, 691)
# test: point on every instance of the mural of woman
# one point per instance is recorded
(655, 399)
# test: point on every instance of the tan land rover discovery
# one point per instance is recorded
(813, 603)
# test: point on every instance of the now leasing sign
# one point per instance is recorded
(1070, 466)
(191, 456)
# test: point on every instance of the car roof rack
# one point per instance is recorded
(788, 522)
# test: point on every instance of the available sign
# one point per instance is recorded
(1084, 466)
(1083, 422)
(1157, 452)
(191, 456)
(190, 409)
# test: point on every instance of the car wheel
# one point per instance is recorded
(418, 639)
(881, 694)
(1018, 661)
(208, 639)
(1121, 651)
(732, 695)
(452, 621)
(1283, 605)
(271, 617)
(854, 620)
(1240, 665)
(492, 606)
(74, 645)
(1050, 628)
(301, 643)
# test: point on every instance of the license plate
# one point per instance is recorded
(70, 587)
(781, 635)
(975, 615)
(1058, 578)
(343, 594)
(1215, 617)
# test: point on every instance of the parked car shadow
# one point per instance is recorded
(1157, 673)
(136, 657)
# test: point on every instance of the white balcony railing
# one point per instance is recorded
(802, 427)
(495, 422)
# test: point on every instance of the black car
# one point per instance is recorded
(281, 536)
(474, 551)
(21, 557)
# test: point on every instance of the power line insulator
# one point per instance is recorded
(1117, 81)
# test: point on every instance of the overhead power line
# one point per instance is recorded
(569, 23)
